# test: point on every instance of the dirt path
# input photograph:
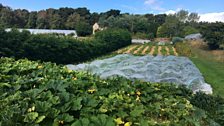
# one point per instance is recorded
(152, 50)
(140, 48)
(167, 51)
(129, 50)
(145, 49)
(175, 51)
(159, 50)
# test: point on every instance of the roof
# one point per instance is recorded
(193, 36)
(47, 31)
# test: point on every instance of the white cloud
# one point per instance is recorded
(212, 17)
(172, 11)
(154, 5)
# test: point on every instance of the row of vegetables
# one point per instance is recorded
(149, 49)
(43, 94)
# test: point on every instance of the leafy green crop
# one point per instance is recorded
(33, 93)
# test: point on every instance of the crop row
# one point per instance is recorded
(44, 94)
(148, 50)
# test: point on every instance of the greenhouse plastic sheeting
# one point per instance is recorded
(169, 69)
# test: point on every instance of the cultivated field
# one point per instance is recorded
(148, 49)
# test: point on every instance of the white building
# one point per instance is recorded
(47, 31)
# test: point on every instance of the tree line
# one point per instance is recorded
(79, 19)
(142, 26)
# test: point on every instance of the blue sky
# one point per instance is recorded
(209, 10)
(131, 6)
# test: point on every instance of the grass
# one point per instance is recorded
(163, 51)
(155, 53)
(212, 70)
(171, 50)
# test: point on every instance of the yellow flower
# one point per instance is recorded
(29, 110)
(138, 93)
(74, 78)
(163, 110)
(39, 66)
(91, 90)
(138, 98)
(33, 108)
(69, 71)
(127, 124)
(119, 121)
(61, 122)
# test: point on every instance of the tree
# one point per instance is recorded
(31, 23)
(189, 30)
(213, 34)
(193, 17)
(182, 15)
(72, 21)
(83, 29)
(42, 20)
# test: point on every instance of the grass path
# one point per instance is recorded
(145, 49)
(152, 50)
(167, 51)
(159, 50)
(139, 49)
(175, 51)
(132, 48)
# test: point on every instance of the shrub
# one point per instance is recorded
(83, 29)
(140, 35)
(183, 49)
(61, 50)
(213, 34)
(177, 39)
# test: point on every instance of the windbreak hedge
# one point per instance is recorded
(61, 50)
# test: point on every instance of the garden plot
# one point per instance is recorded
(169, 69)
(147, 49)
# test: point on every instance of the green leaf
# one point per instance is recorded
(102, 120)
(137, 111)
(82, 122)
(65, 117)
(76, 104)
(30, 117)
(43, 106)
(40, 119)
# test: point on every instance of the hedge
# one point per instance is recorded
(61, 50)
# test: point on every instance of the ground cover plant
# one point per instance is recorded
(34, 93)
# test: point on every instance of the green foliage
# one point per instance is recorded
(213, 34)
(61, 50)
(189, 30)
(213, 105)
(34, 93)
(183, 49)
(140, 35)
(83, 29)
(177, 39)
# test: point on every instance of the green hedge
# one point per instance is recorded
(44, 94)
(61, 50)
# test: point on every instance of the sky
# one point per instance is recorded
(209, 10)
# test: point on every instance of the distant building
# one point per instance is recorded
(197, 36)
(96, 28)
(48, 31)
